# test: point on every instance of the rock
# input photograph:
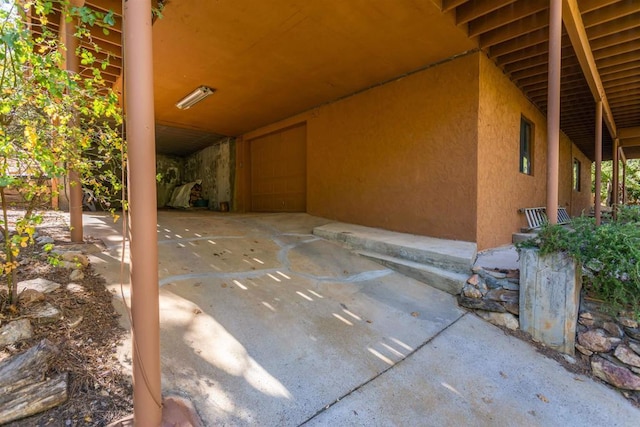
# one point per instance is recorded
(513, 274)
(507, 320)
(13, 332)
(635, 346)
(46, 313)
(44, 240)
(615, 375)
(629, 323)
(480, 304)
(74, 257)
(597, 340)
(586, 319)
(493, 283)
(496, 274)
(569, 359)
(633, 332)
(634, 369)
(613, 329)
(511, 286)
(75, 288)
(30, 296)
(583, 350)
(513, 308)
(503, 295)
(76, 275)
(471, 291)
(627, 356)
(473, 280)
(41, 285)
(477, 270)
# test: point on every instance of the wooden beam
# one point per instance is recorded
(575, 28)
(615, 61)
(630, 142)
(515, 29)
(520, 43)
(610, 13)
(475, 9)
(589, 5)
(614, 39)
(626, 133)
(611, 77)
(622, 48)
(614, 27)
(505, 15)
(448, 5)
(622, 85)
(520, 55)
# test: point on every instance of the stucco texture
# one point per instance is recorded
(435, 153)
(502, 188)
(400, 156)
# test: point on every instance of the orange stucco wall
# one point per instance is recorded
(434, 153)
(502, 189)
(401, 156)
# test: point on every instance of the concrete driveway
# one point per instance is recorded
(262, 323)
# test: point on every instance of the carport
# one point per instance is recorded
(264, 323)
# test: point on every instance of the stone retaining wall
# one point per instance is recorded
(609, 344)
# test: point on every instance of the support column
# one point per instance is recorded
(143, 241)
(615, 178)
(624, 178)
(72, 65)
(598, 155)
(553, 109)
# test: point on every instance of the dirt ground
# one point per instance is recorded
(86, 337)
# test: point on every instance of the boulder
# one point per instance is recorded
(480, 304)
(41, 285)
(618, 376)
(13, 332)
(596, 340)
(627, 356)
(76, 275)
(507, 320)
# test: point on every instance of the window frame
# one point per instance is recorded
(576, 175)
(526, 146)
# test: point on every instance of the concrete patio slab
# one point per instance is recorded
(263, 323)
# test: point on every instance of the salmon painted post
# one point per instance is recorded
(553, 110)
(138, 72)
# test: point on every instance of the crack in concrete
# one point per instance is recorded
(375, 377)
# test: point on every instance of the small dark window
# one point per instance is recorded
(526, 146)
(576, 174)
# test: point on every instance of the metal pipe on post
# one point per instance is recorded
(72, 65)
(138, 72)
(597, 210)
(624, 177)
(615, 179)
(553, 109)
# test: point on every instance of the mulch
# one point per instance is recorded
(87, 338)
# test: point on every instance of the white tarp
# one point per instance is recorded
(181, 195)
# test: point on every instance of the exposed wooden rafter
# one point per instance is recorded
(575, 28)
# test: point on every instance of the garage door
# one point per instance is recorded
(279, 171)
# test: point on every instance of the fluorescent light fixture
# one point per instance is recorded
(194, 97)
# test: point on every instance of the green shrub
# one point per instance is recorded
(609, 255)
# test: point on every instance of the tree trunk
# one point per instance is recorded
(24, 389)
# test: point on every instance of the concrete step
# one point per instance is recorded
(521, 237)
(453, 255)
(438, 278)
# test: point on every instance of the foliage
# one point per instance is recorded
(52, 121)
(632, 180)
(609, 255)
